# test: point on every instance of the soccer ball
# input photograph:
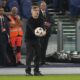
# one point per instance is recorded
(40, 32)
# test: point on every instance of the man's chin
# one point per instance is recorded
(35, 17)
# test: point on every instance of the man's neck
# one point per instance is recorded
(43, 10)
(34, 17)
(14, 14)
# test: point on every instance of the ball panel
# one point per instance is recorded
(40, 32)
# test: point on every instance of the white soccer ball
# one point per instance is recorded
(40, 32)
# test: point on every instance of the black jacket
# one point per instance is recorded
(31, 26)
(46, 18)
(6, 26)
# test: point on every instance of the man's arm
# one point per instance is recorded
(28, 28)
(7, 26)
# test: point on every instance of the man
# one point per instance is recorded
(47, 25)
(4, 38)
(32, 41)
(5, 5)
(16, 34)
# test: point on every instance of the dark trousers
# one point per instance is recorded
(44, 44)
(4, 59)
(33, 51)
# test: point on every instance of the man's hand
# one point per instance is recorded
(47, 24)
(3, 29)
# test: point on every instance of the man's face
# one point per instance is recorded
(35, 12)
(43, 6)
(14, 10)
(4, 3)
(1, 11)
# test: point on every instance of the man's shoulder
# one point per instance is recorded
(29, 20)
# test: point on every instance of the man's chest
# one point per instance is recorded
(36, 23)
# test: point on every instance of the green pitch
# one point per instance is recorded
(52, 77)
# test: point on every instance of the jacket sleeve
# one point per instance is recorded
(7, 26)
(28, 28)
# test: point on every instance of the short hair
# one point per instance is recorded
(43, 2)
(14, 8)
(35, 5)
